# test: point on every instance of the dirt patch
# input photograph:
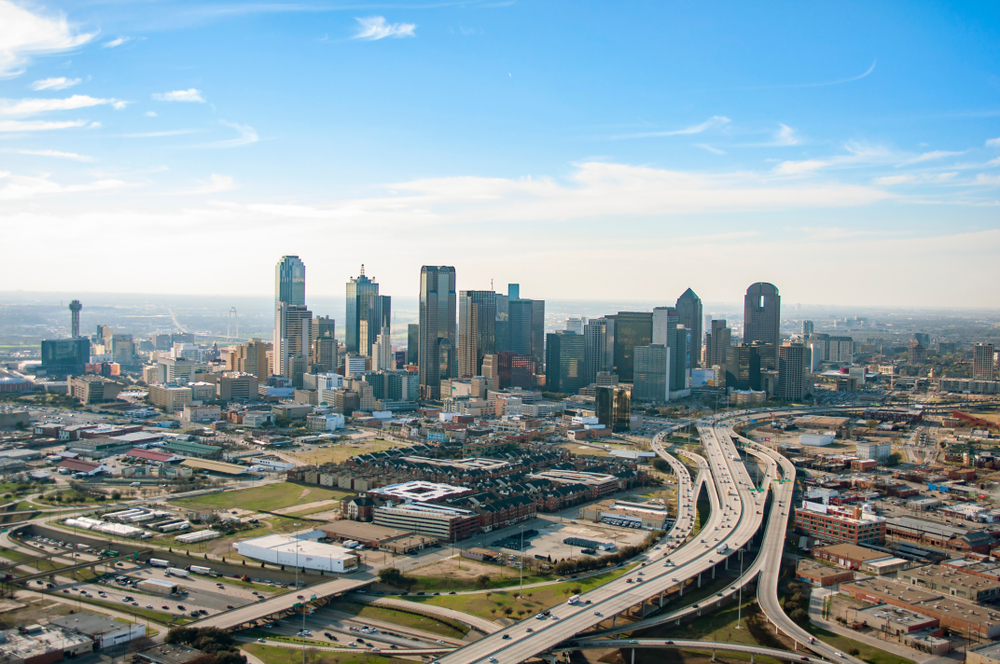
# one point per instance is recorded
(305, 492)
(306, 507)
(450, 567)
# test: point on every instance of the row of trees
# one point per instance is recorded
(218, 645)
(624, 554)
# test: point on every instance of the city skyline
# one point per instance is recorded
(473, 136)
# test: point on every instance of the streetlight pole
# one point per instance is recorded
(522, 558)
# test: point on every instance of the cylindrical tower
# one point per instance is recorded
(74, 309)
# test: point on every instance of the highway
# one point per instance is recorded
(680, 644)
(732, 523)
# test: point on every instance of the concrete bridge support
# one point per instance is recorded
(662, 594)
(699, 579)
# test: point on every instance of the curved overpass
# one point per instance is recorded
(680, 644)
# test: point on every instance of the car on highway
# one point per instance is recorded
(506, 637)
(529, 630)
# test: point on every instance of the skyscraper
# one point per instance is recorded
(292, 341)
(290, 281)
(632, 328)
(564, 362)
(762, 317)
(382, 352)
(743, 367)
(668, 332)
(324, 345)
(792, 372)
(479, 336)
(358, 306)
(74, 313)
(808, 327)
(374, 316)
(437, 328)
(983, 362)
(413, 343)
(595, 350)
(515, 370)
(538, 333)
(613, 405)
(689, 312)
(717, 344)
(575, 325)
(519, 326)
(651, 379)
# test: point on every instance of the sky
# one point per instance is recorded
(848, 152)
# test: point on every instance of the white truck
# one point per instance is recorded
(177, 571)
(722, 549)
(159, 562)
(197, 569)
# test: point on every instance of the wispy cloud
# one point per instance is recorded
(215, 185)
(706, 146)
(711, 123)
(373, 28)
(26, 107)
(785, 136)
(158, 134)
(14, 187)
(801, 167)
(989, 180)
(7, 126)
(993, 143)
(55, 83)
(116, 42)
(150, 114)
(817, 85)
(191, 95)
(52, 153)
(921, 178)
(24, 34)
(247, 135)
(930, 156)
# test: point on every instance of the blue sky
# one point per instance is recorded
(848, 153)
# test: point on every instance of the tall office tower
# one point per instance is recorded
(122, 349)
(632, 328)
(292, 341)
(515, 370)
(437, 328)
(762, 318)
(614, 407)
(251, 358)
(503, 322)
(519, 326)
(538, 333)
(514, 291)
(575, 325)
(651, 380)
(743, 367)
(689, 311)
(491, 371)
(792, 384)
(665, 320)
(916, 352)
(482, 334)
(983, 362)
(104, 334)
(74, 315)
(923, 338)
(679, 359)
(468, 335)
(413, 343)
(808, 327)
(65, 357)
(564, 362)
(323, 358)
(358, 290)
(382, 352)
(290, 281)
(717, 344)
(595, 350)
(374, 315)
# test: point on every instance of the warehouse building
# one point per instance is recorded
(626, 514)
(41, 644)
(820, 575)
(837, 525)
(104, 631)
(938, 535)
(860, 558)
(300, 551)
(959, 615)
(448, 524)
(373, 536)
(952, 582)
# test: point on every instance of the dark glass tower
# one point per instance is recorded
(477, 333)
(564, 362)
(632, 328)
(762, 318)
(689, 312)
(358, 306)
(437, 328)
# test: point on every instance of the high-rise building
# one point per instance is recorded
(916, 352)
(743, 367)
(665, 320)
(762, 318)
(382, 352)
(477, 313)
(564, 362)
(515, 370)
(595, 349)
(717, 344)
(538, 333)
(251, 358)
(689, 312)
(983, 362)
(808, 327)
(65, 357)
(614, 407)
(679, 358)
(324, 345)
(651, 379)
(437, 328)
(631, 329)
(519, 326)
(292, 341)
(374, 316)
(359, 306)
(575, 325)
(413, 343)
(290, 281)
(74, 314)
(792, 365)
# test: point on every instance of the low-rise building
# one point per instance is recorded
(821, 575)
(853, 557)
(38, 644)
(170, 398)
(952, 582)
(448, 524)
(840, 525)
(299, 551)
(104, 631)
(621, 513)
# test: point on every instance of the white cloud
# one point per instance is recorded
(895, 179)
(37, 125)
(706, 146)
(247, 135)
(800, 167)
(52, 153)
(712, 122)
(190, 95)
(989, 180)
(150, 114)
(215, 185)
(376, 27)
(993, 143)
(116, 42)
(27, 107)
(23, 34)
(15, 187)
(785, 136)
(54, 83)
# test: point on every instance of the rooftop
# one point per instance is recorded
(420, 491)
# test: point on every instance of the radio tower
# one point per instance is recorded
(74, 312)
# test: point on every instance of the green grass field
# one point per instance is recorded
(279, 655)
(268, 497)
(448, 628)
(866, 652)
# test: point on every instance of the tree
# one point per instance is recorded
(661, 465)
(482, 581)
(894, 459)
(507, 610)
